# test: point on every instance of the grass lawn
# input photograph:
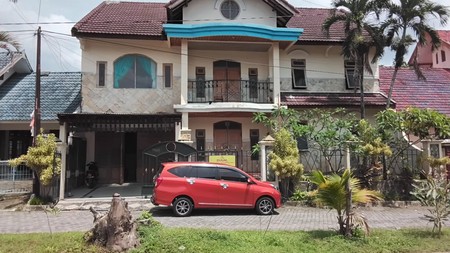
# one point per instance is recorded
(203, 240)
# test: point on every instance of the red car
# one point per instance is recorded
(189, 185)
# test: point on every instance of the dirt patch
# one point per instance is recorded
(13, 201)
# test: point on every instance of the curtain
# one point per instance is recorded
(121, 68)
(149, 67)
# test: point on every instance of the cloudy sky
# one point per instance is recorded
(60, 51)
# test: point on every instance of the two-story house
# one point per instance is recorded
(164, 81)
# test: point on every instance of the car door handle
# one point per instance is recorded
(190, 180)
(224, 185)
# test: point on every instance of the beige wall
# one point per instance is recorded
(441, 64)
(207, 11)
(108, 99)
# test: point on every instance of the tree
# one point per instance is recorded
(284, 124)
(6, 40)
(285, 159)
(41, 158)
(361, 35)
(331, 192)
(411, 16)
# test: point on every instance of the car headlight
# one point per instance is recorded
(274, 186)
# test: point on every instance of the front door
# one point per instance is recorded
(227, 135)
(227, 78)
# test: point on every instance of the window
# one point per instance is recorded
(443, 56)
(207, 172)
(134, 71)
(437, 60)
(183, 171)
(253, 82)
(229, 9)
(167, 75)
(298, 73)
(254, 139)
(350, 74)
(231, 175)
(101, 73)
(200, 82)
(302, 141)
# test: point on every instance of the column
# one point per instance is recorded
(184, 72)
(63, 150)
(276, 72)
(263, 162)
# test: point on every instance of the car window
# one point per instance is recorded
(231, 175)
(206, 172)
(184, 171)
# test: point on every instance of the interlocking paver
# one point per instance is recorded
(286, 218)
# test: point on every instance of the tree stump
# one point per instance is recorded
(115, 229)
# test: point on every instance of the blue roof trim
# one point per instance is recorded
(232, 29)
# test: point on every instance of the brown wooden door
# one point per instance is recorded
(227, 136)
(227, 76)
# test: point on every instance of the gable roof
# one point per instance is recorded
(16, 60)
(311, 20)
(60, 93)
(327, 99)
(432, 93)
(114, 19)
(145, 21)
(444, 36)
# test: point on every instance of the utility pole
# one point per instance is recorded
(37, 97)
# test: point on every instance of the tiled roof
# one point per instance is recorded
(311, 20)
(444, 36)
(123, 18)
(433, 93)
(111, 19)
(60, 93)
(331, 99)
(5, 59)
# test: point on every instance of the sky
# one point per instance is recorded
(60, 51)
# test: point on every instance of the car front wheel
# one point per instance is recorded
(265, 206)
(182, 207)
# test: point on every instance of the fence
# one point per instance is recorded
(15, 180)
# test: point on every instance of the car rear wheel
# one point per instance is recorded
(182, 207)
(265, 206)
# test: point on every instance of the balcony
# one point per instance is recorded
(246, 91)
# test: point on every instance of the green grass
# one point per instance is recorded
(204, 240)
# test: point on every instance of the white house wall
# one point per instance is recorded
(324, 70)
(437, 53)
(207, 11)
(108, 99)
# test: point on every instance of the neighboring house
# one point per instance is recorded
(438, 58)
(60, 93)
(163, 81)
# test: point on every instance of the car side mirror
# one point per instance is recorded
(250, 181)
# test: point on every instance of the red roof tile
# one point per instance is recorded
(123, 18)
(331, 99)
(433, 93)
(146, 19)
(444, 36)
(311, 20)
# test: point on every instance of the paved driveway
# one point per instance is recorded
(286, 218)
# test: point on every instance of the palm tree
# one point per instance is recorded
(411, 15)
(332, 192)
(361, 36)
(6, 41)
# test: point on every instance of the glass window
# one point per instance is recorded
(167, 75)
(183, 171)
(200, 82)
(231, 175)
(443, 58)
(101, 72)
(229, 9)
(207, 172)
(349, 74)
(298, 73)
(134, 71)
(253, 80)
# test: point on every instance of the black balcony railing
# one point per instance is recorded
(249, 91)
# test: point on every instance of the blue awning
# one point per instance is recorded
(188, 31)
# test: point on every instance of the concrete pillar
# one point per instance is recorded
(63, 150)
(263, 160)
(184, 72)
(276, 72)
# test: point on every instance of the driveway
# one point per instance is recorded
(286, 218)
